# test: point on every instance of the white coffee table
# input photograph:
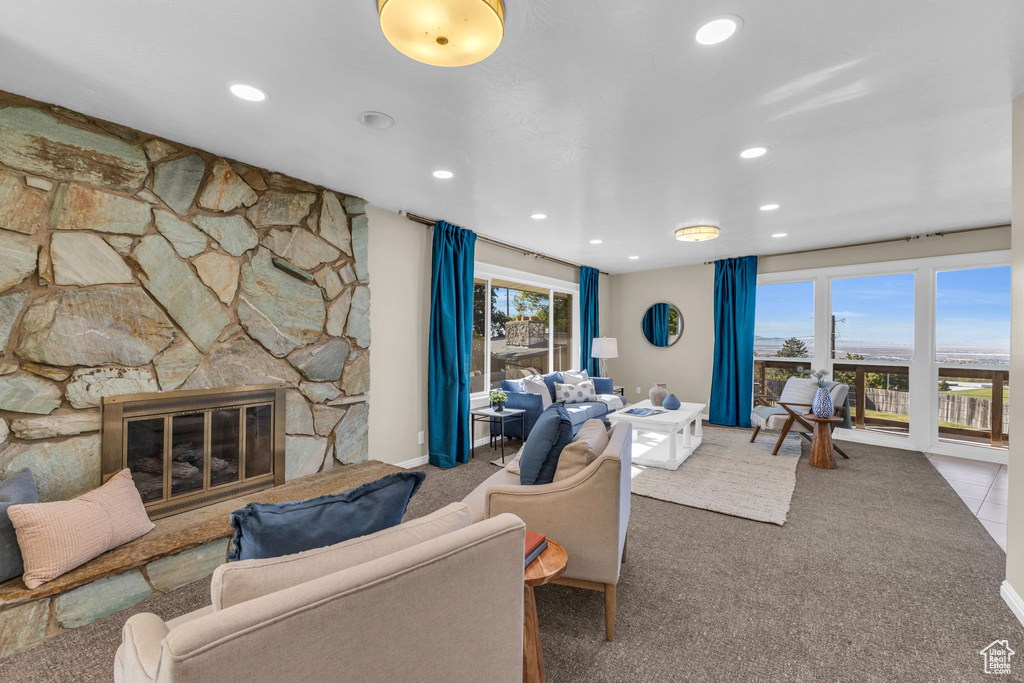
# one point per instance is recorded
(672, 436)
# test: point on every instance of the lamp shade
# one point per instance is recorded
(604, 347)
(443, 32)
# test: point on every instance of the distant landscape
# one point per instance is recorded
(767, 347)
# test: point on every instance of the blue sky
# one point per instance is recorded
(972, 309)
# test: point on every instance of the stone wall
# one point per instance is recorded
(130, 264)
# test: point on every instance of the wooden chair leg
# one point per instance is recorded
(782, 436)
(757, 430)
(609, 612)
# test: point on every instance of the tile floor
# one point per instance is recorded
(982, 487)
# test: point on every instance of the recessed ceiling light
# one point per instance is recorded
(376, 119)
(633, 258)
(444, 175)
(596, 241)
(780, 234)
(538, 216)
(769, 207)
(718, 29)
(249, 93)
(754, 152)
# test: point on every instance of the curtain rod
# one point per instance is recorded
(498, 243)
(908, 238)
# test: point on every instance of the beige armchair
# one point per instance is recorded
(587, 514)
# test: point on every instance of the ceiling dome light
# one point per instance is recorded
(250, 93)
(697, 233)
(596, 241)
(780, 234)
(769, 207)
(719, 29)
(444, 175)
(633, 258)
(538, 216)
(376, 119)
(754, 152)
(443, 32)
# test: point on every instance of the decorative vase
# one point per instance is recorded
(671, 402)
(498, 407)
(658, 394)
(823, 403)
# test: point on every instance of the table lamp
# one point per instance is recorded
(604, 347)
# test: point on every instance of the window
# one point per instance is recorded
(521, 326)
(784, 320)
(873, 318)
(972, 352)
(783, 330)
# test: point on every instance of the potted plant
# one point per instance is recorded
(498, 399)
(822, 398)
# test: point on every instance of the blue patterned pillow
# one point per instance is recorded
(16, 489)
(275, 529)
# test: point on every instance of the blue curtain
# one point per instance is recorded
(733, 376)
(451, 338)
(656, 324)
(589, 323)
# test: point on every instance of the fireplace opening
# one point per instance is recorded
(187, 449)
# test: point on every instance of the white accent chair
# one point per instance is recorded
(786, 415)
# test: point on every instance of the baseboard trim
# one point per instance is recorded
(415, 462)
(1012, 600)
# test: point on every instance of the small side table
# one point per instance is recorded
(548, 566)
(490, 416)
(621, 391)
(821, 445)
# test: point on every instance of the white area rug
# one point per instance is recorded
(727, 474)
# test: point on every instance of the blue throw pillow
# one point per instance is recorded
(604, 385)
(550, 380)
(550, 434)
(16, 489)
(276, 529)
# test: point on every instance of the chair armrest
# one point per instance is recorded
(142, 635)
(582, 513)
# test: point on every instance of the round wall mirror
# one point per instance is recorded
(662, 325)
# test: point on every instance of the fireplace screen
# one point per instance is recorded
(187, 449)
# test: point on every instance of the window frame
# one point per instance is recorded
(488, 272)
(924, 369)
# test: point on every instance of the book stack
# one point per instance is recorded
(535, 545)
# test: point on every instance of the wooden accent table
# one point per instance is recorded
(548, 566)
(821, 445)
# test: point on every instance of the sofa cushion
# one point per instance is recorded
(20, 487)
(550, 435)
(604, 385)
(237, 582)
(550, 380)
(573, 377)
(274, 529)
(513, 385)
(57, 537)
(576, 393)
(536, 386)
(581, 412)
(590, 442)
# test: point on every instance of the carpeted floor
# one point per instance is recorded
(880, 574)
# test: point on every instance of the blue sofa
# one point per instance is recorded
(532, 404)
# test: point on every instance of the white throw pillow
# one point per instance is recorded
(533, 386)
(576, 393)
(573, 377)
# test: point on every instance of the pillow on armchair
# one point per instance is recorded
(539, 456)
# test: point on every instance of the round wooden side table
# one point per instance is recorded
(548, 566)
(822, 453)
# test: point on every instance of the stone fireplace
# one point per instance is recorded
(189, 449)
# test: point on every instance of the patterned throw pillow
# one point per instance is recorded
(576, 393)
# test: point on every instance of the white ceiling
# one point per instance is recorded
(884, 118)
